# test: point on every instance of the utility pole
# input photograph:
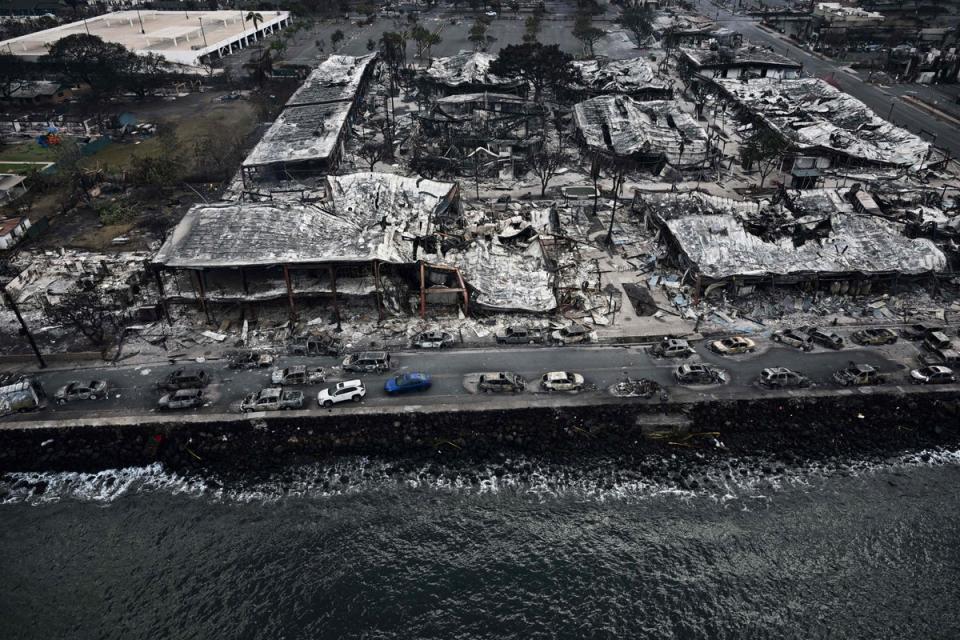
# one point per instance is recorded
(10, 302)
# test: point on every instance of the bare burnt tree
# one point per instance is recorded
(372, 151)
(92, 313)
(544, 165)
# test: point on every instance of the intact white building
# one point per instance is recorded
(182, 37)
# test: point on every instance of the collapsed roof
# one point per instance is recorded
(748, 55)
(616, 76)
(468, 69)
(716, 242)
(336, 79)
(301, 134)
(366, 216)
(811, 114)
(625, 127)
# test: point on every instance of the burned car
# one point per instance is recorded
(782, 378)
(500, 382)
(879, 336)
(828, 339)
(572, 334)
(184, 379)
(858, 375)
(672, 348)
(520, 335)
(561, 381)
(315, 345)
(298, 374)
(272, 399)
(699, 374)
(249, 359)
(792, 338)
(933, 375)
(919, 331)
(182, 399)
(76, 390)
(733, 345)
(433, 340)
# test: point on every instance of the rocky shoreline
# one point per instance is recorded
(786, 429)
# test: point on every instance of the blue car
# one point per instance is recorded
(408, 382)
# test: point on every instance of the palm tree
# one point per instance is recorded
(257, 19)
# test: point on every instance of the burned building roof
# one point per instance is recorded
(745, 56)
(301, 134)
(365, 216)
(811, 114)
(718, 244)
(468, 69)
(336, 79)
(627, 77)
(625, 127)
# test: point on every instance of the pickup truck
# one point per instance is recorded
(298, 374)
(272, 399)
(520, 335)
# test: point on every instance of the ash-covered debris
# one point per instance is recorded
(811, 115)
(655, 132)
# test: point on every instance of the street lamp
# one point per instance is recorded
(142, 30)
(202, 32)
(85, 25)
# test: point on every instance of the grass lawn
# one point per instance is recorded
(27, 152)
(21, 169)
(220, 119)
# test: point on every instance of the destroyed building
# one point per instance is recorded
(306, 141)
(632, 77)
(823, 243)
(479, 134)
(44, 277)
(391, 240)
(817, 120)
(651, 134)
(749, 61)
(466, 72)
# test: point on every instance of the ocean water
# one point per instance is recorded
(361, 548)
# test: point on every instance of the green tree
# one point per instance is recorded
(257, 20)
(585, 32)
(531, 29)
(88, 59)
(638, 20)
(765, 149)
(371, 44)
(393, 48)
(336, 39)
(478, 33)
(540, 65)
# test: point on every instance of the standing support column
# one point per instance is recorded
(286, 278)
(423, 293)
(336, 307)
(201, 294)
(466, 295)
(377, 284)
(163, 295)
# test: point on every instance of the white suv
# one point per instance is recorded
(341, 392)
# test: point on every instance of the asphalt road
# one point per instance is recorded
(133, 392)
(877, 98)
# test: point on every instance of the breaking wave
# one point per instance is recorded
(723, 481)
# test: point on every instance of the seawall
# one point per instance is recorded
(802, 426)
